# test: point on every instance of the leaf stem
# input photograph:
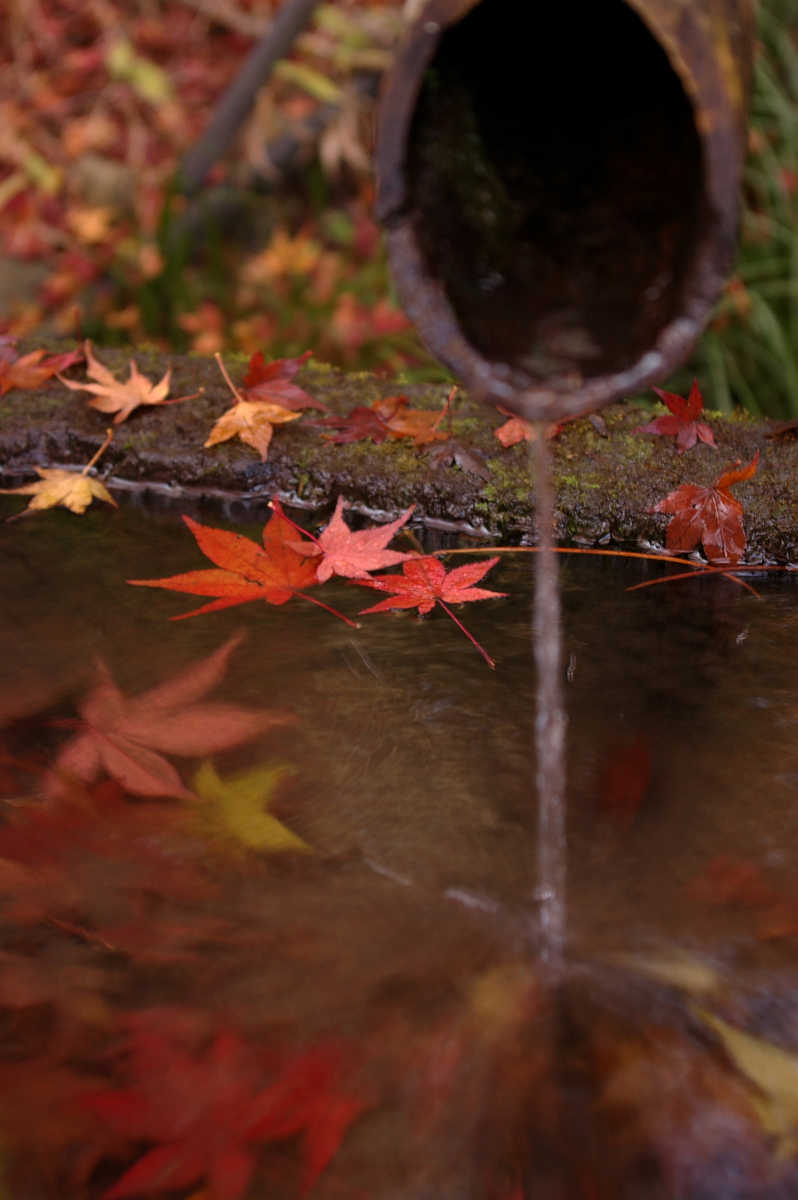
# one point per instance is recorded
(227, 379)
(334, 611)
(468, 633)
(109, 437)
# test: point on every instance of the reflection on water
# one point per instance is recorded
(308, 959)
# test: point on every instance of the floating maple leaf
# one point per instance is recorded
(207, 1111)
(127, 736)
(425, 583)
(682, 422)
(111, 396)
(711, 516)
(32, 370)
(246, 572)
(354, 554)
(69, 489)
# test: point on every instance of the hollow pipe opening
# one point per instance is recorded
(560, 199)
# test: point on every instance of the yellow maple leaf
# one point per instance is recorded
(111, 395)
(238, 807)
(68, 489)
(774, 1073)
(253, 421)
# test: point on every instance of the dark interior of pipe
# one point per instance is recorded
(555, 180)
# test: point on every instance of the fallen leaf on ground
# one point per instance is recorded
(246, 572)
(425, 582)
(254, 420)
(32, 370)
(129, 737)
(388, 418)
(711, 516)
(238, 807)
(516, 429)
(358, 425)
(682, 421)
(416, 423)
(272, 382)
(354, 554)
(69, 489)
(112, 396)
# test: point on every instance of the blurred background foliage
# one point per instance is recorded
(101, 99)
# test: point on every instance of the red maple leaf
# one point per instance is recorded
(354, 554)
(425, 583)
(93, 856)
(272, 382)
(245, 571)
(682, 423)
(126, 737)
(207, 1112)
(711, 516)
(389, 417)
(359, 424)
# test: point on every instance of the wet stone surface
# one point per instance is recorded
(607, 482)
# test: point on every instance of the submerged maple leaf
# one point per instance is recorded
(207, 1111)
(111, 396)
(682, 421)
(425, 583)
(128, 737)
(238, 807)
(711, 516)
(70, 489)
(246, 572)
(32, 370)
(354, 554)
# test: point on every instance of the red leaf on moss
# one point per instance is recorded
(711, 516)
(272, 382)
(358, 425)
(682, 421)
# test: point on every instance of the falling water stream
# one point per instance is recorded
(550, 720)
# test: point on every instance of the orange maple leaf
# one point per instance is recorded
(128, 737)
(111, 396)
(254, 420)
(245, 571)
(416, 423)
(32, 370)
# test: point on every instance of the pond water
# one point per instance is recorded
(194, 1002)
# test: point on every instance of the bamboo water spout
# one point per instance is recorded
(560, 188)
